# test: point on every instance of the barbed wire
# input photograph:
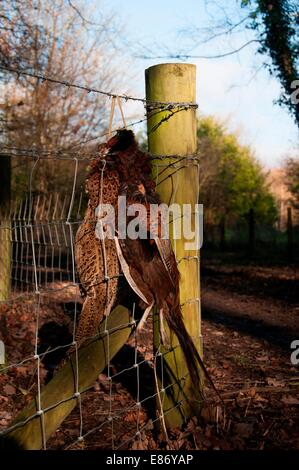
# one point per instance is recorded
(149, 104)
(70, 154)
(63, 152)
(17, 152)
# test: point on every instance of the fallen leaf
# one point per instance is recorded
(130, 417)
(258, 398)
(263, 358)
(9, 389)
(288, 400)
(139, 445)
(275, 383)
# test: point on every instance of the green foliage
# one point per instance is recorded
(292, 179)
(277, 27)
(233, 180)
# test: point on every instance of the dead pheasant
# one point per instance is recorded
(148, 265)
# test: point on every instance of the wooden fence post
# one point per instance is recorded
(251, 232)
(223, 233)
(173, 132)
(290, 234)
(5, 232)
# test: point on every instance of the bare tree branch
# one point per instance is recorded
(84, 20)
(226, 32)
(187, 56)
(55, 116)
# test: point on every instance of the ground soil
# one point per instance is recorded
(250, 317)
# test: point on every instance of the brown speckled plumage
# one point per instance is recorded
(148, 265)
(99, 293)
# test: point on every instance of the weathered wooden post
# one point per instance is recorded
(290, 234)
(251, 232)
(5, 232)
(173, 132)
(223, 233)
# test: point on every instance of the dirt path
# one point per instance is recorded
(270, 320)
(247, 335)
(256, 301)
(281, 283)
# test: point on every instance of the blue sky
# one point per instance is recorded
(236, 89)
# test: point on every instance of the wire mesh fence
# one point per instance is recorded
(120, 407)
(40, 230)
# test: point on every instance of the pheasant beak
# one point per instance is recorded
(103, 152)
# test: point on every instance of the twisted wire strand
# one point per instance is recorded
(149, 104)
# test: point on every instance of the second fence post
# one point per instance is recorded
(5, 228)
(290, 235)
(172, 137)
